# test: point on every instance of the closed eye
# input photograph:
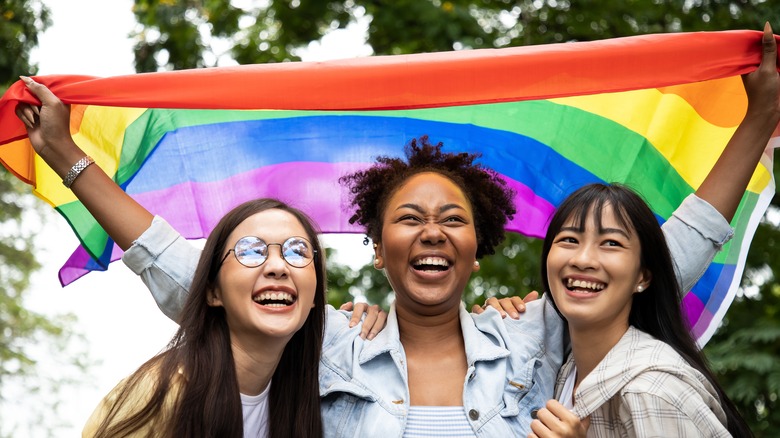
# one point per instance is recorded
(410, 218)
(455, 219)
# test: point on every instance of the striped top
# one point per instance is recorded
(437, 421)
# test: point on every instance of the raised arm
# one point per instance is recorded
(121, 216)
(700, 226)
(725, 184)
(48, 129)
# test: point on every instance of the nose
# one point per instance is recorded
(432, 234)
(275, 265)
(584, 257)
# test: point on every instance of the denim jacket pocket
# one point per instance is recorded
(524, 393)
(344, 407)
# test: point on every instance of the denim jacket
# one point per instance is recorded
(363, 382)
(512, 366)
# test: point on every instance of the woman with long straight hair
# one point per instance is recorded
(244, 360)
(634, 368)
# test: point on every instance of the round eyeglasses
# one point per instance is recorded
(252, 251)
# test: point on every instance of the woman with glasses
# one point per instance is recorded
(245, 358)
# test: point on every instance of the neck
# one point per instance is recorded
(589, 346)
(256, 361)
(429, 331)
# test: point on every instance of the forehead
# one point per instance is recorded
(429, 188)
(598, 217)
(273, 226)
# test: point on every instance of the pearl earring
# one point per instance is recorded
(640, 288)
(476, 263)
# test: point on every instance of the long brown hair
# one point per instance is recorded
(209, 403)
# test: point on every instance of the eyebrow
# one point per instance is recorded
(419, 209)
(601, 231)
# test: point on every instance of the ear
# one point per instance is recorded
(214, 297)
(379, 262)
(645, 277)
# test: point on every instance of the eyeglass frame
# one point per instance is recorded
(281, 252)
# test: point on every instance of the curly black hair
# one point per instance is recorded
(490, 198)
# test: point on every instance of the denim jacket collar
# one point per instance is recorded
(478, 345)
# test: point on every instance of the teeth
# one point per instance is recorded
(287, 298)
(582, 284)
(436, 261)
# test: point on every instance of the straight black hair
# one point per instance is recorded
(658, 310)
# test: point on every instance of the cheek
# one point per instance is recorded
(467, 240)
(306, 283)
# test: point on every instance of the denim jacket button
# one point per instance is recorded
(474, 414)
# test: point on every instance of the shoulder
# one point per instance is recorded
(663, 404)
(129, 396)
(670, 391)
(539, 326)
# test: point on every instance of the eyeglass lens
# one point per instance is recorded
(253, 251)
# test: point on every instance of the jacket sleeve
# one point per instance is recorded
(695, 233)
(166, 262)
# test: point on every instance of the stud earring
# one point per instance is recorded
(476, 263)
(376, 262)
(640, 288)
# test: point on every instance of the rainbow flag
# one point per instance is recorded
(652, 111)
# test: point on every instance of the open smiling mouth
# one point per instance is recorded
(584, 286)
(275, 299)
(431, 264)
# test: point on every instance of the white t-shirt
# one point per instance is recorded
(255, 408)
(567, 393)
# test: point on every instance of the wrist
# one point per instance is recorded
(761, 121)
(76, 170)
(62, 157)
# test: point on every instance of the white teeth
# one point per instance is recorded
(436, 261)
(287, 298)
(582, 284)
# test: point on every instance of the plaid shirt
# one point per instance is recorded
(643, 388)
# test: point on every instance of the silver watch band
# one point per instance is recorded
(76, 170)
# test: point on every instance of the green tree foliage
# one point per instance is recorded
(25, 335)
(20, 22)
(200, 33)
(745, 351)
(197, 33)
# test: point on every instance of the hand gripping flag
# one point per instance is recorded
(653, 112)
